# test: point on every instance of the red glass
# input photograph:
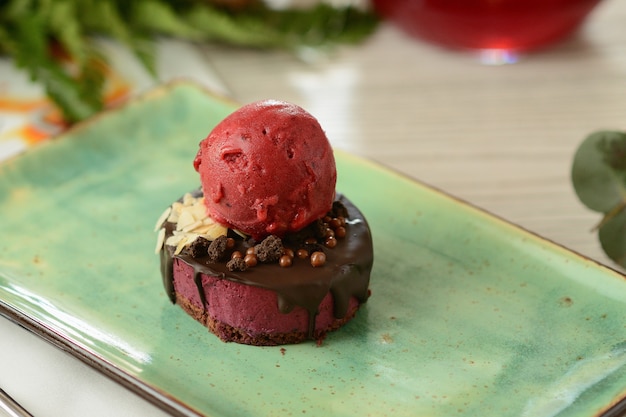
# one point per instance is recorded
(513, 25)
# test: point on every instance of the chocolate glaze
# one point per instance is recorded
(345, 274)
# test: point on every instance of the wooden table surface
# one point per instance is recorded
(501, 137)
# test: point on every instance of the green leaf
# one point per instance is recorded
(109, 18)
(237, 30)
(266, 28)
(612, 236)
(599, 171)
(63, 90)
(65, 27)
(75, 86)
(599, 178)
(74, 79)
(154, 16)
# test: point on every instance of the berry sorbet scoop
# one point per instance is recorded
(267, 168)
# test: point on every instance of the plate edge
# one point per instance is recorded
(99, 364)
(375, 164)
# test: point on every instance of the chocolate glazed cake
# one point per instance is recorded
(270, 292)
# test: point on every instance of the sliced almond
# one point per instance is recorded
(208, 221)
(198, 211)
(202, 229)
(188, 199)
(160, 240)
(162, 218)
(177, 206)
(216, 231)
(173, 240)
(185, 219)
(180, 245)
(191, 227)
(240, 233)
(191, 222)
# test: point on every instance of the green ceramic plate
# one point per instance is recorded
(469, 315)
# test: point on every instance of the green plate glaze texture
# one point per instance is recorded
(469, 315)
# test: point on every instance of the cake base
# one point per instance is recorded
(246, 314)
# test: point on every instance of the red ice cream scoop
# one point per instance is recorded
(267, 168)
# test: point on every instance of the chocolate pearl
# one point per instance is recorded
(310, 240)
(327, 219)
(250, 260)
(335, 223)
(329, 233)
(318, 258)
(331, 242)
(230, 243)
(340, 231)
(250, 250)
(236, 254)
(285, 261)
(288, 252)
(302, 253)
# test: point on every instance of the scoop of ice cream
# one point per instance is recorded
(267, 168)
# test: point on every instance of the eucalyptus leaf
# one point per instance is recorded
(599, 179)
(612, 236)
(598, 175)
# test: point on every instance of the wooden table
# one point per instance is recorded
(500, 137)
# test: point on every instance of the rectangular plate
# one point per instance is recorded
(469, 314)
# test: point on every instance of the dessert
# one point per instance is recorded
(265, 252)
(267, 169)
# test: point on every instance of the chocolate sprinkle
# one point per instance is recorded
(198, 247)
(270, 249)
(236, 264)
(217, 249)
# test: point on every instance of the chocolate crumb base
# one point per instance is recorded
(228, 333)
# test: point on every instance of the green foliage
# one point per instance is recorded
(53, 40)
(599, 179)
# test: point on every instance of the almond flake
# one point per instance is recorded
(160, 240)
(162, 218)
(198, 211)
(180, 245)
(208, 221)
(191, 222)
(188, 199)
(173, 240)
(175, 213)
(191, 237)
(203, 229)
(217, 231)
(191, 227)
(185, 219)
